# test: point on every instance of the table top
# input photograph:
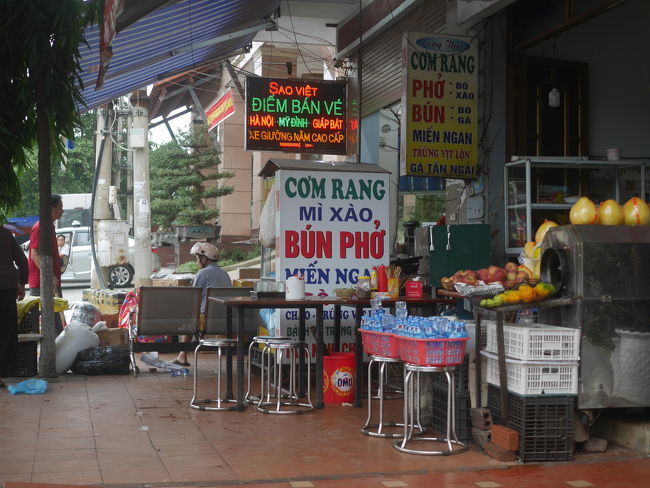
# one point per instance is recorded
(318, 301)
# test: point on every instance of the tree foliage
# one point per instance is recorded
(72, 175)
(39, 46)
(183, 176)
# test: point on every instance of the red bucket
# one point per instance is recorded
(338, 377)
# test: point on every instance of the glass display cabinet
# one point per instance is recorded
(542, 188)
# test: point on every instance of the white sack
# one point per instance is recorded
(74, 338)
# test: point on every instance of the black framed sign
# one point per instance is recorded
(296, 116)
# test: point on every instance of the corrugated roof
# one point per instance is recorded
(273, 165)
(147, 50)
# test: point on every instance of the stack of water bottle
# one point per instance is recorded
(427, 341)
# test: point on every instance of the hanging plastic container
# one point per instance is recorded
(338, 377)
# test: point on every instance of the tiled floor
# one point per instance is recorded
(140, 432)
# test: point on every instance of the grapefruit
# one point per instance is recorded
(610, 213)
(543, 229)
(584, 212)
(636, 212)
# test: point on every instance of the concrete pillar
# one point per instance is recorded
(138, 142)
(101, 207)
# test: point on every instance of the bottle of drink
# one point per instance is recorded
(401, 312)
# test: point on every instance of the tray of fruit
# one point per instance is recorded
(524, 293)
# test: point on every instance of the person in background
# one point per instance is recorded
(34, 260)
(64, 250)
(209, 276)
(13, 276)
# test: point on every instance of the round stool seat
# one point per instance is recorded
(218, 342)
(453, 445)
(265, 339)
(288, 403)
(217, 403)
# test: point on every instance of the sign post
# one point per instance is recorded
(440, 128)
(297, 116)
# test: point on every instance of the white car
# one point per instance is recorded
(77, 268)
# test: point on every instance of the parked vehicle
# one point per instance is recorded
(77, 269)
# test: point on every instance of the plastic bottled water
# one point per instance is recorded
(401, 312)
(387, 322)
(180, 372)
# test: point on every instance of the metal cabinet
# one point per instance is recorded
(456, 247)
(538, 189)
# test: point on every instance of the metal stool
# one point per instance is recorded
(256, 341)
(382, 362)
(451, 438)
(291, 399)
(219, 344)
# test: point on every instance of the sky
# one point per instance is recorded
(160, 134)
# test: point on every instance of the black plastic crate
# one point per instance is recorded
(26, 359)
(439, 411)
(545, 424)
(462, 379)
(30, 323)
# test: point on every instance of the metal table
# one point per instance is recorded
(316, 303)
(243, 303)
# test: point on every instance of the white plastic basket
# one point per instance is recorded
(536, 341)
(535, 377)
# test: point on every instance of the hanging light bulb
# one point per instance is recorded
(554, 98)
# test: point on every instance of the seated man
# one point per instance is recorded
(209, 276)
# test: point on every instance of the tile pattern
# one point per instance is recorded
(89, 431)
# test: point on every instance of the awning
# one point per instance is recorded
(176, 38)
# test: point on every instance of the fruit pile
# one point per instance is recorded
(523, 294)
(634, 212)
(509, 276)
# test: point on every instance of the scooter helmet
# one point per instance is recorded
(206, 249)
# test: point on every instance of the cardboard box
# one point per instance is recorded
(244, 283)
(113, 337)
(249, 273)
(171, 282)
(111, 319)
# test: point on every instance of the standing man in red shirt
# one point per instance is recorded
(35, 258)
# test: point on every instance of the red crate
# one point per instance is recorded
(432, 352)
(380, 343)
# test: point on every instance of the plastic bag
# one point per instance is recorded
(31, 387)
(151, 358)
(267, 220)
(86, 313)
(74, 338)
(102, 360)
(270, 320)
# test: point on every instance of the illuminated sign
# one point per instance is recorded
(297, 116)
(221, 110)
(440, 128)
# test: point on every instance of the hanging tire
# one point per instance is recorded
(120, 275)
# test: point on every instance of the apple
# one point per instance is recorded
(526, 270)
(522, 277)
(484, 274)
(511, 276)
(510, 267)
(496, 274)
(447, 283)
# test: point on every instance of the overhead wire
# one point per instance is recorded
(296, 39)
